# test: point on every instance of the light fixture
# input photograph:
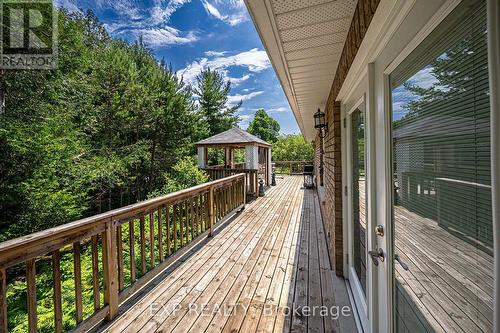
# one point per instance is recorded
(322, 127)
(320, 123)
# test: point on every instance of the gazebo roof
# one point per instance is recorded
(233, 137)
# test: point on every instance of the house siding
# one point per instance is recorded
(332, 208)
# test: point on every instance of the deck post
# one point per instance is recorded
(211, 211)
(110, 270)
(3, 300)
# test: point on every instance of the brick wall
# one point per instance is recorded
(332, 210)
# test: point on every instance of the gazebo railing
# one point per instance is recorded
(290, 167)
(128, 247)
(238, 166)
(251, 177)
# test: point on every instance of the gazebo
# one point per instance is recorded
(257, 156)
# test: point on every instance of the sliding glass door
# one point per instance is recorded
(442, 218)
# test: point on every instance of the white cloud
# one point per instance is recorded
(232, 12)
(69, 5)
(234, 99)
(424, 78)
(215, 53)
(278, 109)
(157, 37)
(212, 10)
(245, 120)
(161, 13)
(135, 19)
(254, 60)
(238, 80)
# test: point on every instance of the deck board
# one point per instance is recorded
(270, 257)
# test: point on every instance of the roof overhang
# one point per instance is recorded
(304, 41)
(232, 145)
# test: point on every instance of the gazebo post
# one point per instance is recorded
(269, 165)
(231, 158)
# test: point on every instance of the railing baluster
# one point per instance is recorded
(181, 226)
(174, 222)
(119, 250)
(198, 198)
(219, 205)
(186, 221)
(205, 212)
(143, 245)
(224, 201)
(56, 278)
(210, 204)
(95, 273)
(167, 218)
(77, 268)
(131, 241)
(193, 233)
(3, 300)
(31, 286)
(152, 239)
(160, 234)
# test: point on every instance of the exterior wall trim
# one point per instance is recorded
(494, 73)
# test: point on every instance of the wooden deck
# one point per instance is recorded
(270, 258)
(449, 284)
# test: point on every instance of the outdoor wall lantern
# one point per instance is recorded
(320, 123)
(322, 127)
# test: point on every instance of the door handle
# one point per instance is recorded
(377, 255)
(401, 262)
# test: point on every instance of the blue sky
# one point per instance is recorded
(195, 34)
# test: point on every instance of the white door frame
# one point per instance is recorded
(367, 307)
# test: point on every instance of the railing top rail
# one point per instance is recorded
(292, 161)
(229, 169)
(35, 244)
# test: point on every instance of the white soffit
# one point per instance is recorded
(304, 40)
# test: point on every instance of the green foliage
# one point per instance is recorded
(215, 156)
(213, 93)
(264, 127)
(184, 174)
(98, 132)
(292, 147)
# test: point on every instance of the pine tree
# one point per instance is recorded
(213, 93)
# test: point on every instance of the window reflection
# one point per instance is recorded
(442, 185)
(358, 197)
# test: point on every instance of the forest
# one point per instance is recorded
(107, 128)
(110, 126)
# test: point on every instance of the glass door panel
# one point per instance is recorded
(358, 197)
(442, 218)
(357, 227)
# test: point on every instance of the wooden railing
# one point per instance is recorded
(238, 166)
(290, 167)
(251, 177)
(131, 245)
